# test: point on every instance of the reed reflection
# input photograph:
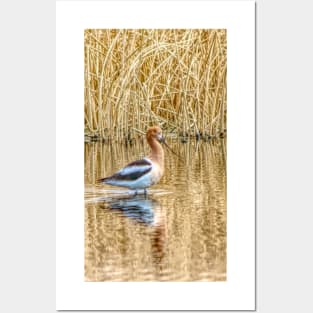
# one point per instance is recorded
(176, 233)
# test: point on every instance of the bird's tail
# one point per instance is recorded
(102, 180)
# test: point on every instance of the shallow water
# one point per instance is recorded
(175, 233)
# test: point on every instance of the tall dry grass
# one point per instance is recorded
(175, 78)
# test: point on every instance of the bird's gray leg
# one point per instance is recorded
(132, 193)
(145, 192)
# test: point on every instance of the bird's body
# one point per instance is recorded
(143, 173)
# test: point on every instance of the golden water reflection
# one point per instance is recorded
(175, 233)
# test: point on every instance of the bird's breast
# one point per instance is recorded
(157, 173)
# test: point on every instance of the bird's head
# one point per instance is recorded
(155, 132)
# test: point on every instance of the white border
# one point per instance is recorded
(238, 293)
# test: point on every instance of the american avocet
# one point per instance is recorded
(143, 173)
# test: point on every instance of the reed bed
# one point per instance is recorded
(135, 78)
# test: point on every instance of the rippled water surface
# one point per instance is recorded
(175, 233)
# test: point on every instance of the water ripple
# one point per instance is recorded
(175, 233)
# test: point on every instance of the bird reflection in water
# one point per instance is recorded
(148, 212)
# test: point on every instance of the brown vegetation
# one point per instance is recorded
(138, 78)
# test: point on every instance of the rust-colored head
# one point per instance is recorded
(155, 132)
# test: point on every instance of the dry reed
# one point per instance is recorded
(175, 78)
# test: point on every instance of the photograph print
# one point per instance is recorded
(155, 152)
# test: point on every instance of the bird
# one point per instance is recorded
(145, 172)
